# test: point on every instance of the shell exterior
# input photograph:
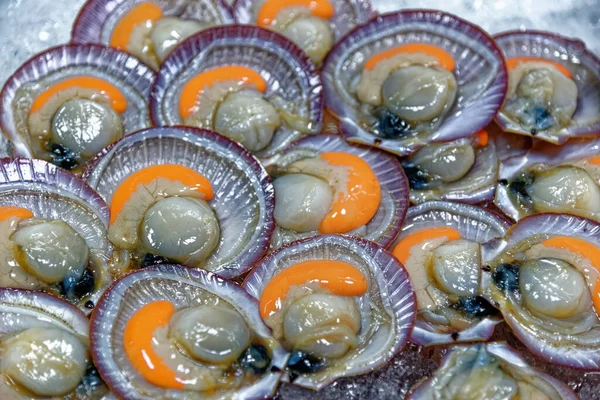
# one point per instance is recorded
(243, 193)
(288, 72)
(572, 54)
(53, 193)
(98, 18)
(507, 144)
(473, 223)
(480, 73)
(509, 359)
(578, 350)
(389, 286)
(183, 287)
(53, 65)
(385, 225)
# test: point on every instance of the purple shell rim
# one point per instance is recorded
(33, 170)
(262, 244)
(99, 355)
(507, 354)
(92, 16)
(66, 55)
(481, 331)
(404, 295)
(355, 133)
(592, 58)
(394, 179)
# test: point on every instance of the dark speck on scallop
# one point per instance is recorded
(74, 289)
(304, 363)
(506, 277)
(417, 179)
(255, 358)
(63, 157)
(390, 125)
(476, 306)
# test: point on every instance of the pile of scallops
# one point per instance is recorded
(207, 200)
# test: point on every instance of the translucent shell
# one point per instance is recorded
(479, 70)
(243, 194)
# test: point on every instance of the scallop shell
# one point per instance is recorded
(507, 356)
(243, 193)
(182, 287)
(392, 288)
(473, 223)
(51, 192)
(385, 225)
(122, 70)
(571, 53)
(480, 73)
(286, 69)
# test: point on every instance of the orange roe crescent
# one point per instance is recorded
(143, 13)
(270, 8)
(8, 212)
(173, 172)
(117, 100)
(338, 277)
(482, 138)
(190, 94)
(137, 340)
(594, 160)
(360, 202)
(404, 247)
(444, 59)
(512, 63)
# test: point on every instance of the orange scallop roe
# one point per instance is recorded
(585, 249)
(188, 177)
(117, 100)
(512, 63)
(190, 95)
(594, 160)
(444, 59)
(339, 277)
(142, 14)
(270, 8)
(482, 138)
(138, 338)
(8, 212)
(403, 249)
(359, 203)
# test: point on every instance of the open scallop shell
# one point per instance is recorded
(388, 285)
(386, 223)
(51, 192)
(51, 66)
(458, 361)
(183, 287)
(474, 224)
(288, 72)
(480, 73)
(243, 193)
(572, 54)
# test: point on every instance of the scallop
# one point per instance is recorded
(551, 88)
(341, 306)
(254, 95)
(188, 196)
(543, 276)
(170, 331)
(53, 236)
(317, 177)
(441, 245)
(66, 104)
(410, 79)
(489, 371)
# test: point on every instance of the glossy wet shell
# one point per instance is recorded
(389, 286)
(474, 224)
(572, 54)
(288, 73)
(243, 194)
(480, 73)
(120, 69)
(386, 223)
(183, 287)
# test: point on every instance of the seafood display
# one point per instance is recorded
(68, 103)
(149, 30)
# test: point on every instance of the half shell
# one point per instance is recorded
(479, 72)
(243, 194)
(387, 309)
(185, 289)
(292, 84)
(435, 325)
